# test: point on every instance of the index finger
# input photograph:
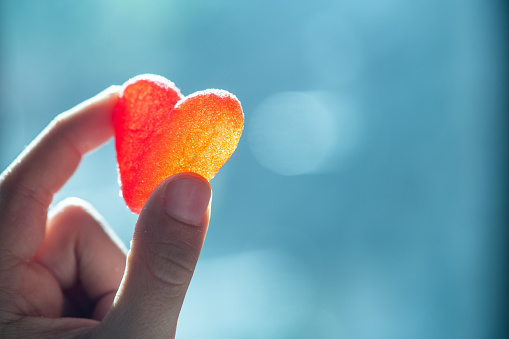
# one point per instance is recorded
(27, 186)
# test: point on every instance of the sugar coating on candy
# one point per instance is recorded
(159, 133)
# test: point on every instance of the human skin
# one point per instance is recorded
(63, 273)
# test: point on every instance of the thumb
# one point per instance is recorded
(166, 245)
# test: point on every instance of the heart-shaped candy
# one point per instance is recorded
(158, 133)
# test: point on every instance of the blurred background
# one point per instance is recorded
(367, 196)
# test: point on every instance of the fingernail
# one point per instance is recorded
(187, 200)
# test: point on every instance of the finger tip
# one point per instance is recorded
(187, 197)
(112, 90)
(187, 175)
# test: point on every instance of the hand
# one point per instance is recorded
(60, 272)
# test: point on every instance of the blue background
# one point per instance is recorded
(366, 198)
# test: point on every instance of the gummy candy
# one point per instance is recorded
(158, 133)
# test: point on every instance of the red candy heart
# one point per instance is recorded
(158, 133)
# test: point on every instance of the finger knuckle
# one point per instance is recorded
(69, 213)
(172, 262)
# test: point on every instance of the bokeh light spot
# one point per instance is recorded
(294, 133)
